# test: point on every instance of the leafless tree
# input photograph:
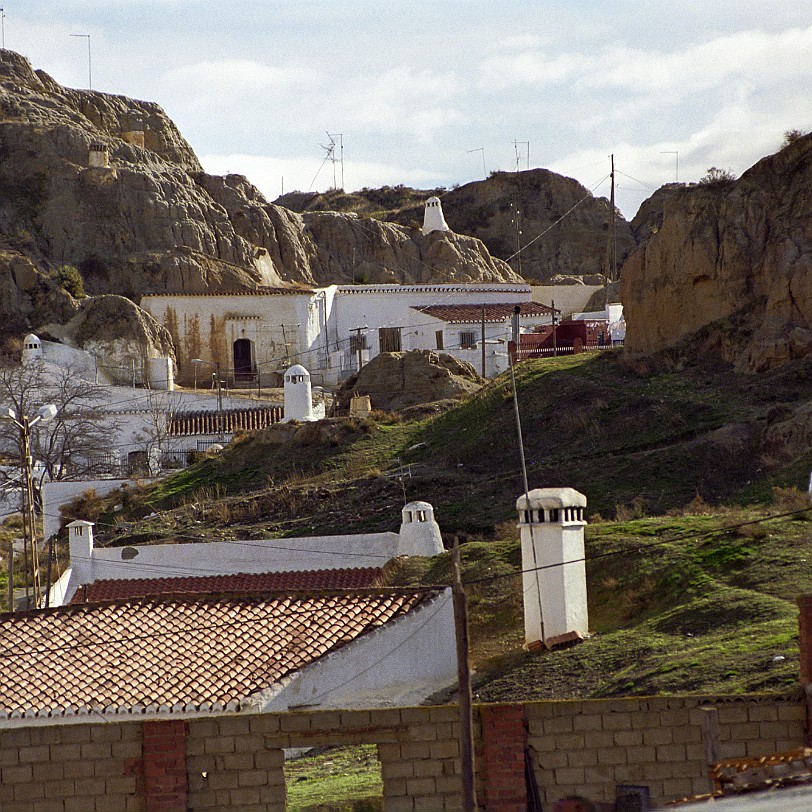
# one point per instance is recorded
(71, 444)
(155, 436)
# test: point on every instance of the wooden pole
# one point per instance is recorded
(483, 341)
(469, 803)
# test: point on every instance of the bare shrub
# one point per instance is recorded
(790, 499)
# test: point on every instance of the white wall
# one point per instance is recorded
(568, 298)
(398, 664)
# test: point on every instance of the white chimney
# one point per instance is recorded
(551, 521)
(298, 395)
(433, 219)
(80, 538)
(32, 349)
(419, 532)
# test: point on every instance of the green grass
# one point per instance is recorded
(341, 779)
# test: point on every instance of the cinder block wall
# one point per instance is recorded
(588, 747)
(227, 762)
(72, 768)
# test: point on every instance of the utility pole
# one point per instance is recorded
(358, 343)
(482, 342)
(469, 803)
(555, 321)
(611, 241)
(3, 27)
(219, 401)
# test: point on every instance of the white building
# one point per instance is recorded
(255, 336)
(419, 535)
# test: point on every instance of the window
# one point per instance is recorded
(438, 335)
(467, 340)
(389, 339)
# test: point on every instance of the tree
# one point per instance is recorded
(155, 436)
(69, 446)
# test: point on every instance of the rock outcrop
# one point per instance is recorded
(575, 246)
(398, 380)
(736, 255)
(108, 184)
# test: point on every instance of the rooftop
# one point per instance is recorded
(177, 654)
(308, 580)
(472, 313)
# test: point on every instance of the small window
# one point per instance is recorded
(389, 339)
(358, 342)
(467, 340)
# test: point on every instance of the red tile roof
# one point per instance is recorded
(309, 580)
(472, 313)
(172, 655)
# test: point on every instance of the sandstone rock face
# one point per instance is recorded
(116, 331)
(733, 253)
(486, 209)
(397, 380)
(152, 220)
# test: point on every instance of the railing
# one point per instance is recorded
(526, 351)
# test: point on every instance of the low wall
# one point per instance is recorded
(236, 762)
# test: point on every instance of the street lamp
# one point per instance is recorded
(30, 555)
(218, 382)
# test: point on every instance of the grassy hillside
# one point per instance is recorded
(631, 442)
(689, 589)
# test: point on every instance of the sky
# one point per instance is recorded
(430, 94)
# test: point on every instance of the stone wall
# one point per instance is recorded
(236, 762)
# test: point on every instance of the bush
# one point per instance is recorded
(791, 136)
(71, 281)
(717, 177)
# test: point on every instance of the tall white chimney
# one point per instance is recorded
(433, 219)
(551, 522)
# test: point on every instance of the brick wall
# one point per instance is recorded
(502, 756)
(588, 747)
(583, 747)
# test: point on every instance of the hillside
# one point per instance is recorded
(677, 466)
(574, 223)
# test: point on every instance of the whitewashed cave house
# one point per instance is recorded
(254, 336)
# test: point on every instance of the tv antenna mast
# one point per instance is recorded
(516, 145)
(482, 150)
(331, 155)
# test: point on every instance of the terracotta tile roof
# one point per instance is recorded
(230, 421)
(265, 290)
(180, 654)
(472, 313)
(298, 581)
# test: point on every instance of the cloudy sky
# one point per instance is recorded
(438, 93)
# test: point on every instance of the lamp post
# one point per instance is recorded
(217, 381)
(30, 554)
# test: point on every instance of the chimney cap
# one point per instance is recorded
(551, 498)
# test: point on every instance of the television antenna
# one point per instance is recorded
(516, 145)
(482, 150)
(3, 27)
(87, 37)
(330, 150)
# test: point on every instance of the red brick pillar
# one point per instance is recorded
(503, 743)
(165, 784)
(805, 645)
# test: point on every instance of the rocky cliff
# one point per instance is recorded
(573, 246)
(731, 259)
(146, 217)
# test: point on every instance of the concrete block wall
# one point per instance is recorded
(72, 768)
(588, 747)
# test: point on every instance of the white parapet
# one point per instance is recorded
(551, 521)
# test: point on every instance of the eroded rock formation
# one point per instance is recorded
(733, 259)
(108, 184)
